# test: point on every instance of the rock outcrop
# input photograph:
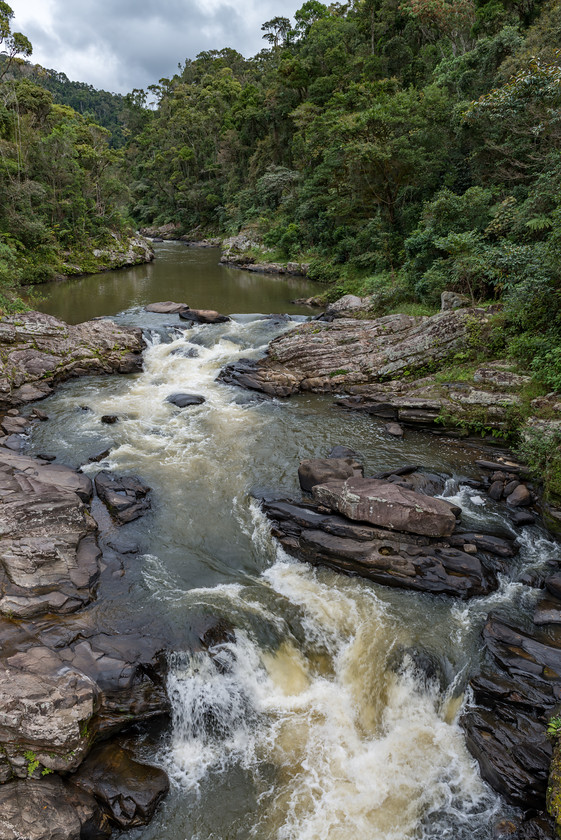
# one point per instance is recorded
(126, 497)
(346, 354)
(37, 351)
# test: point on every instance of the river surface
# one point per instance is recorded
(317, 725)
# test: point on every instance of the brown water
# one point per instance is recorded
(186, 275)
(309, 731)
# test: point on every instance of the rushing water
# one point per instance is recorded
(316, 723)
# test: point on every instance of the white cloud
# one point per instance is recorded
(133, 43)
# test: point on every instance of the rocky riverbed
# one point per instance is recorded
(76, 679)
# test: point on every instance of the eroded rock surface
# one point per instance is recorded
(394, 559)
(346, 353)
(126, 497)
(38, 350)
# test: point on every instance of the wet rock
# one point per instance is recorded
(387, 505)
(186, 352)
(44, 457)
(393, 559)
(496, 490)
(319, 470)
(511, 487)
(394, 429)
(125, 497)
(246, 373)
(344, 452)
(122, 545)
(129, 791)
(49, 809)
(429, 484)
(39, 351)
(13, 442)
(203, 316)
(184, 400)
(99, 456)
(516, 691)
(109, 419)
(522, 517)
(497, 466)
(553, 585)
(166, 307)
(547, 611)
(520, 497)
(486, 543)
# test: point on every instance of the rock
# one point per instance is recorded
(100, 456)
(516, 691)
(164, 232)
(14, 425)
(498, 375)
(125, 497)
(511, 487)
(452, 300)
(393, 559)
(347, 354)
(124, 251)
(344, 452)
(39, 414)
(522, 517)
(429, 484)
(128, 790)
(166, 307)
(553, 585)
(520, 497)
(387, 505)
(38, 350)
(497, 466)
(184, 400)
(109, 419)
(346, 307)
(49, 560)
(486, 543)
(320, 470)
(496, 490)
(49, 809)
(470, 548)
(44, 714)
(547, 611)
(394, 429)
(43, 457)
(203, 316)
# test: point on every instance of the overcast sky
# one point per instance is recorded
(118, 45)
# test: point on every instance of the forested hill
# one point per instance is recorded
(401, 147)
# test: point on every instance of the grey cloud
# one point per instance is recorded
(134, 43)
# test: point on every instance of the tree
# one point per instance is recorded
(277, 30)
(14, 42)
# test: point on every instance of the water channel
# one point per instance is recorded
(318, 726)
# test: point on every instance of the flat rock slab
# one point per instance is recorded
(38, 350)
(203, 316)
(405, 561)
(387, 505)
(129, 791)
(166, 307)
(185, 400)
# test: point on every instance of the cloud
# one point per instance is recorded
(134, 43)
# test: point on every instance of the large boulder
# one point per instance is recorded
(49, 559)
(387, 505)
(405, 561)
(38, 350)
(349, 353)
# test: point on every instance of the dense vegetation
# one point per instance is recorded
(62, 194)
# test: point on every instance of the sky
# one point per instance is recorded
(118, 45)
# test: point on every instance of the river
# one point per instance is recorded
(316, 724)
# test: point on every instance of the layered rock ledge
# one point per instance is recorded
(37, 351)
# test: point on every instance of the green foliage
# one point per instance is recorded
(554, 727)
(541, 450)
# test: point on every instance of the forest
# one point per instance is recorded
(399, 147)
